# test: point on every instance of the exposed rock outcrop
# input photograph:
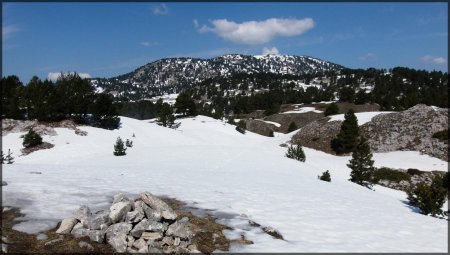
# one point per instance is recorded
(411, 129)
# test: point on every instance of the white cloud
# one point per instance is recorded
(8, 31)
(148, 44)
(270, 51)
(257, 32)
(196, 25)
(368, 57)
(161, 10)
(427, 59)
(53, 76)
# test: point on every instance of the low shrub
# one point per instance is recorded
(296, 152)
(428, 198)
(385, 173)
(31, 139)
(325, 176)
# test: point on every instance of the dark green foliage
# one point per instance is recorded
(129, 143)
(11, 94)
(231, 121)
(104, 114)
(325, 176)
(347, 94)
(142, 109)
(292, 127)
(296, 152)
(271, 133)
(119, 148)
(362, 164)
(445, 181)
(166, 117)
(385, 173)
(347, 138)
(241, 126)
(412, 171)
(428, 198)
(331, 109)
(31, 139)
(442, 135)
(185, 105)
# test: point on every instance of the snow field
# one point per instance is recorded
(209, 163)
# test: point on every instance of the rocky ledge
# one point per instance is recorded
(146, 225)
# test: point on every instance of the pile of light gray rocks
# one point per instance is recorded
(146, 225)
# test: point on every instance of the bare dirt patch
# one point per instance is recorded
(43, 146)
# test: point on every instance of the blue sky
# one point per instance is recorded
(108, 39)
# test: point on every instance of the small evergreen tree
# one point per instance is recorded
(347, 139)
(428, 198)
(241, 126)
(331, 109)
(292, 127)
(119, 148)
(129, 143)
(166, 117)
(362, 164)
(9, 158)
(271, 133)
(31, 139)
(325, 176)
(296, 152)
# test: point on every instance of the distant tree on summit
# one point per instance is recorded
(185, 105)
(347, 138)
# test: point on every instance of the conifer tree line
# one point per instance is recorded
(70, 97)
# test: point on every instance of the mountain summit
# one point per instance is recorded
(174, 74)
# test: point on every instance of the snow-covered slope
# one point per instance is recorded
(207, 162)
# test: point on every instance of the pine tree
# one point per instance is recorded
(296, 152)
(129, 143)
(31, 139)
(428, 198)
(9, 158)
(325, 176)
(166, 117)
(347, 138)
(362, 164)
(185, 105)
(292, 127)
(119, 148)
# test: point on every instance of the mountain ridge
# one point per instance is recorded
(170, 75)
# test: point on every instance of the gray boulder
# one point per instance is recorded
(140, 243)
(140, 227)
(151, 236)
(95, 221)
(118, 228)
(95, 235)
(134, 216)
(180, 229)
(150, 213)
(118, 242)
(158, 205)
(119, 210)
(66, 226)
(82, 213)
(121, 198)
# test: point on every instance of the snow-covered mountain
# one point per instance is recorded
(173, 74)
